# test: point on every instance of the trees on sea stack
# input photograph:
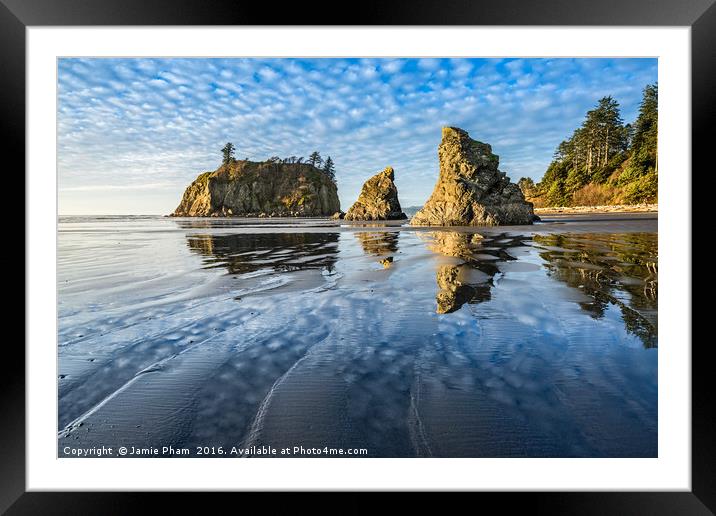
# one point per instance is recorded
(326, 166)
(329, 169)
(228, 153)
(315, 159)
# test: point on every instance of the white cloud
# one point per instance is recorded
(95, 188)
(428, 64)
(122, 121)
(268, 74)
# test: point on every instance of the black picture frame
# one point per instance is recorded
(17, 15)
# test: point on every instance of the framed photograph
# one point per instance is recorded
(444, 248)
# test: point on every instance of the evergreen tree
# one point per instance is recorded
(556, 195)
(527, 185)
(604, 151)
(641, 179)
(589, 155)
(315, 159)
(228, 153)
(329, 169)
(610, 129)
(644, 141)
(628, 135)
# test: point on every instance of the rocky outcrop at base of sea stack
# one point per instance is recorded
(471, 191)
(378, 199)
(260, 189)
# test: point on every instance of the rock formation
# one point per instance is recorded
(260, 189)
(378, 199)
(471, 191)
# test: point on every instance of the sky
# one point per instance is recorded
(133, 133)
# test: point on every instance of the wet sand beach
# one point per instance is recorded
(519, 341)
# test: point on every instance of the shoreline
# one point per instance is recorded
(616, 208)
(556, 223)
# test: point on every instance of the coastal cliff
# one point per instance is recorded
(256, 189)
(471, 191)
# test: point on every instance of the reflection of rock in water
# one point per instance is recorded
(386, 262)
(378, 243)
(612, 269)
(455, 291)
(242, 253)
(474, 248)
(471, 281)
(451, 243)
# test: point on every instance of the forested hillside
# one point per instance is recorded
(604, 161)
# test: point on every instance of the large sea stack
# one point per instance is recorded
(260, 189)
(471, 191)
(378, 200)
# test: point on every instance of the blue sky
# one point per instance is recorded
(133, 133)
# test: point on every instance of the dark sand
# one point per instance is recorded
(535, 341)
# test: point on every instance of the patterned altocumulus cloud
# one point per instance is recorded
(134, 132)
